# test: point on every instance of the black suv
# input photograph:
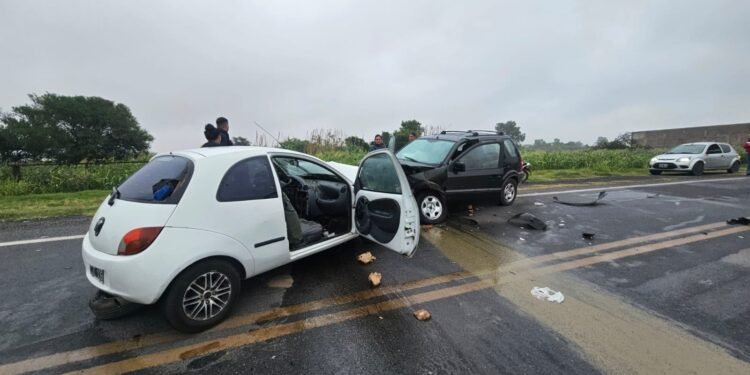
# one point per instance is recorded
(456, 163)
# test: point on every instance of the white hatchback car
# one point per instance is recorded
(696, 158)
(185, 229)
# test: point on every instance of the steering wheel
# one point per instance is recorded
(298, 180)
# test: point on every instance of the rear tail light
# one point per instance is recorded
(138, 240)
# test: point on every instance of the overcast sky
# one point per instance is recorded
(560, 69)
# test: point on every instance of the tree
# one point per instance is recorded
(294, 144)
(355, 143)
(240, 141)
(71, 129)
(511, 129)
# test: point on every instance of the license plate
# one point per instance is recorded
(98, 273)
(663, 165)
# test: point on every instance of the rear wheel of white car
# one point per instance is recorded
(432, 208)
(202, 295)
(697, 169)
(734, 168)
(508, 192)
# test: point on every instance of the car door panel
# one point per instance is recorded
(482, 172)
(385, 210)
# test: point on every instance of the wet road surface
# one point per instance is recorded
(662, 288)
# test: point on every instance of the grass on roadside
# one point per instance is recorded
(547, 175)
(39, 206)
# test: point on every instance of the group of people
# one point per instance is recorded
(377, 144)
(217, 135)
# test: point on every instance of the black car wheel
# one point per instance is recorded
(735, 167)
(202, 295)
(508, 192)
(697, 169)
(432, 208)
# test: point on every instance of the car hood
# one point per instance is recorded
(675, 156)
(349, 171)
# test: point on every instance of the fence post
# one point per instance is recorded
(15, 170)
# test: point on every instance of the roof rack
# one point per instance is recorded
(474, 133)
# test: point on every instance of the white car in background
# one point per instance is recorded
(696, 158)
(189, 226)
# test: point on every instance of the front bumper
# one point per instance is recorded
(669, 166)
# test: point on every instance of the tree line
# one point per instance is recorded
(75, 129)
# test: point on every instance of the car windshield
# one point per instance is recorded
(304, 169)
(426, 151)
(687, 149)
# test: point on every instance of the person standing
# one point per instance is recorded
(747, 156)
(223, 124)
(377, 144)
(213, 136)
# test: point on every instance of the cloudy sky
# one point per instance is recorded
(560, 69)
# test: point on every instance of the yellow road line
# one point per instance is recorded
(234, 341)
(86, 353)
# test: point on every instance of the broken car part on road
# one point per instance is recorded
(528, 220)
(601, 196)
(547, 294)
(739, 221)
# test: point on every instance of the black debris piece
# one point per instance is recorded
(739, 221)
(601, 196)
(588, 236)
(657, 195)
(528, 220)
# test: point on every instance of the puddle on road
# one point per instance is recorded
(609, 332)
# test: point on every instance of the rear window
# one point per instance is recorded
(162, 180)
(725, 148)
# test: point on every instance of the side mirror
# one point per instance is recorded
(459, 167)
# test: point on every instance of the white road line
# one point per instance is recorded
(621, 187)
(41, 240)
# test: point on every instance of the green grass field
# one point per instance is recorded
(40, 206)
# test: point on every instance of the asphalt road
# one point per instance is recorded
(661, 288)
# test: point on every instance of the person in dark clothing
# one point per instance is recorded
(223, 124)
(377, 144)
(213, 136)
(747, 151)
(412, 136)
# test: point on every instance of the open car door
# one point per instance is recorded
(385, 210)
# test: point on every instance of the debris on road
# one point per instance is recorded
(657, 195)
(527, 220)
(422, 315)
(601, 196)
(588, 236)
(547, 294)
(470, 211)
(468, 221)
(739, 221)
(375, 278)
(366, 258)
(538, 204)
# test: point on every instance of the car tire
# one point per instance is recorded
(183, 295)
(655, 173)
(698, 169)
(432, 207)
(508, 192)
(734, 168)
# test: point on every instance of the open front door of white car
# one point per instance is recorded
(385, 209)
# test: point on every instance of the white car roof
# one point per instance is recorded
(244, 151)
